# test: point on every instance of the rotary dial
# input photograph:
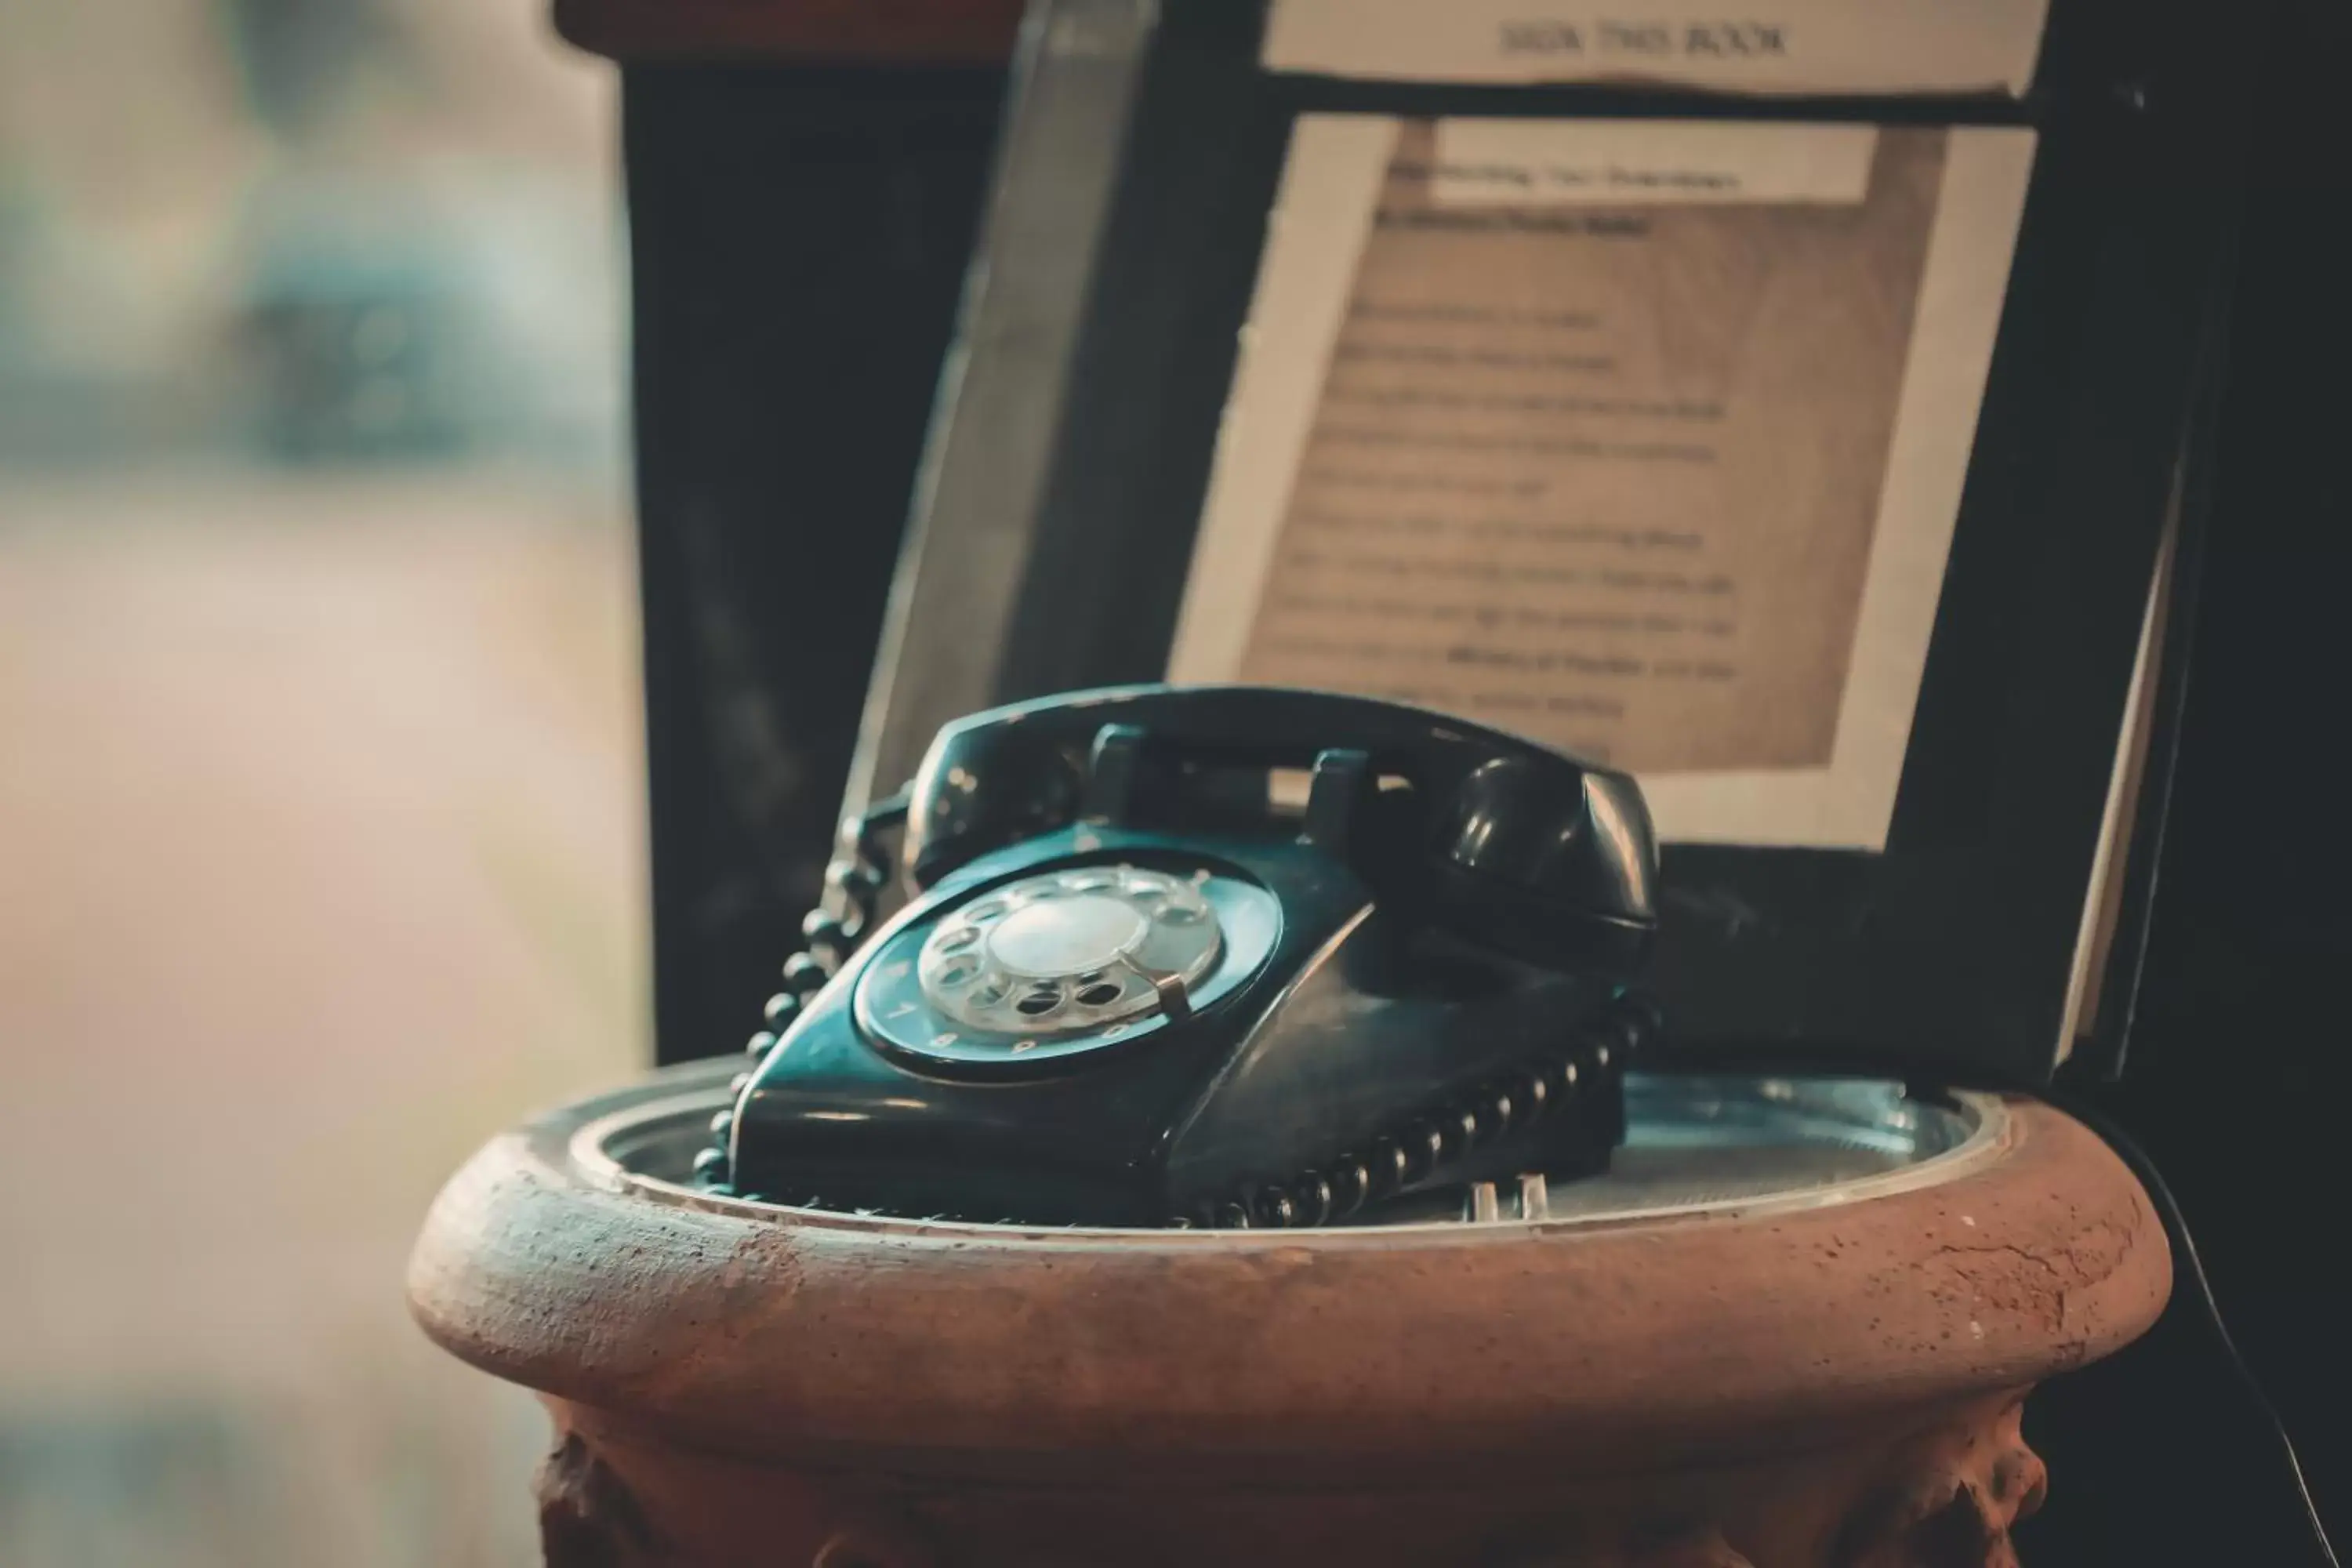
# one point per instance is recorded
(1071, 952)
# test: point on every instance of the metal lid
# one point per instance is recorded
(1692, 1145)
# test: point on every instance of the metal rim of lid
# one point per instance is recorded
(612, 1151)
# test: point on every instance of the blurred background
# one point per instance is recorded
(321, 853)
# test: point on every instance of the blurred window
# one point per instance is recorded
(320, 842)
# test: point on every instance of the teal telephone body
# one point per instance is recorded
(1131, 987)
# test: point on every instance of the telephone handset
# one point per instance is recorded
(1130, 987)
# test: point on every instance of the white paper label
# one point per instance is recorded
(1645, 162)
(1783, 47)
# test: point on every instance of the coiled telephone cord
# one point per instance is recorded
(1587, 1079)
(854, 881)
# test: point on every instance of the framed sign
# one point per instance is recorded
(1644, 438)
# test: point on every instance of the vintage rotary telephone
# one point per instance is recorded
(1130, 989)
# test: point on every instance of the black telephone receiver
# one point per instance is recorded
(1131, 988)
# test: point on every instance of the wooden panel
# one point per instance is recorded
(969, 32)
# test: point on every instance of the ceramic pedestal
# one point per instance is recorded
(1827, 1372)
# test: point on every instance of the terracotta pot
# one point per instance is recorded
(1829, 1374)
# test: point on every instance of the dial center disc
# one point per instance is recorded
(1056, 937)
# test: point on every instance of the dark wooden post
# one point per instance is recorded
(804, 182)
